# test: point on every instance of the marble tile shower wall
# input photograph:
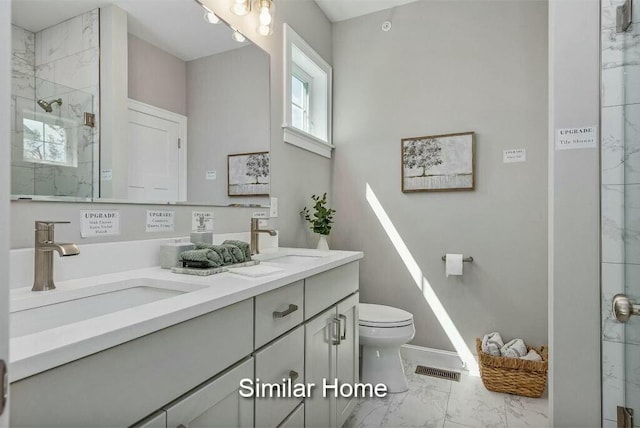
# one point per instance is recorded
(620, 204)
(61, 61)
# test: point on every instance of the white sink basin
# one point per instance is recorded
(61, 307)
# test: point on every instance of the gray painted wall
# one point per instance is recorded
(228, 111)
(156, 77)
(574, 218)
(132, 222)
(488, 74)
(296, 174)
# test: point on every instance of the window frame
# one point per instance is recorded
(310, 140)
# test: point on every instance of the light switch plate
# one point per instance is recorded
(273, 210)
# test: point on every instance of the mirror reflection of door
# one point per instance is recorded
(156, 165)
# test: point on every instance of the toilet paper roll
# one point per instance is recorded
(453, 264)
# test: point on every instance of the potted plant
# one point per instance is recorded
(321, 220)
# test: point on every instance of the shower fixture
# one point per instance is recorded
(46, 106)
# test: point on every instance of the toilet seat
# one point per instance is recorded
(381, 316)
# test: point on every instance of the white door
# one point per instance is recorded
(156, 147)
(216, 404)
(320, 364)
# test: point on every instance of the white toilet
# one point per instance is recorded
(382, 330)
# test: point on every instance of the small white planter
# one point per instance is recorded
(323, 245)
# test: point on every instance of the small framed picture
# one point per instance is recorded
(438, 163)
(248, 174)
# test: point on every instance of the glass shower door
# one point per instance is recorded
(620, 176)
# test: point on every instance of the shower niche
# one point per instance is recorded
(55, 74)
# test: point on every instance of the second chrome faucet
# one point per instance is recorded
(255, 231)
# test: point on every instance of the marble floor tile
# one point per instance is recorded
(418, 407)
(369, 413)
(526, 412)
(472, 404)
(433, 402)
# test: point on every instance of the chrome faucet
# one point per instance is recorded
(44, 248)
(255, 231)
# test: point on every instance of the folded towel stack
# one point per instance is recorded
(245, 247)
(212, 256)
(198, 258)
(492, 344)
(514, 349)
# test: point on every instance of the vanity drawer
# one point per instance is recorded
(327, 288)
(277, 312)
(282, 359)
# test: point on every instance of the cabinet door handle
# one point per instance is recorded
(281, 314)
(293, 375)
(344, 330)
(335, 323)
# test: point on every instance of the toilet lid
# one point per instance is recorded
(383, 316)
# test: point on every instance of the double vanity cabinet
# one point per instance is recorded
(192, 373)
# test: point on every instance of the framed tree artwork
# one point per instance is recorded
(438, 163)
(248, 174)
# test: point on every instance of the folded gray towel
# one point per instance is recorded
(214, 258)
(222, 252)
(197, 258)
(492, 343)
(236, 252)
(514, 349)
(245, 247)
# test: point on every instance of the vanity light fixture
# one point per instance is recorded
(237, 36)
(241, 7)
(266, 9)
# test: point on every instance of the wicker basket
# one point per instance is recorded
(514, 375)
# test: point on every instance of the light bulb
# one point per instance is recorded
(211, 17)
(264, 30)
(238, 37)
(240, 7)
(265, 16)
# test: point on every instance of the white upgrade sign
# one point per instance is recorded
(160, 220)
(576, 138)
(202, 221)
(99, 223)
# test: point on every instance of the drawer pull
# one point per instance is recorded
(335, 323)
(281, 314)
(293, 375)
(343, 336)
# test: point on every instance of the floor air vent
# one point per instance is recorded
(440, 373)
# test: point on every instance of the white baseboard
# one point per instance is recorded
(438, 358)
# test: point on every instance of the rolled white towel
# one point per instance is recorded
(491, 343)
(532, 356)
(514, 349)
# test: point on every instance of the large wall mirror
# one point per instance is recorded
(137, 102)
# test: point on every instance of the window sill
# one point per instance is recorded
(307, 141)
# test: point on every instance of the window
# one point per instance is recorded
(300, 102)
(48, 143)
(307, 113)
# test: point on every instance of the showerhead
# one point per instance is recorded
(46, 106)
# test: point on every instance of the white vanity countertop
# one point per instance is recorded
(34, 353)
